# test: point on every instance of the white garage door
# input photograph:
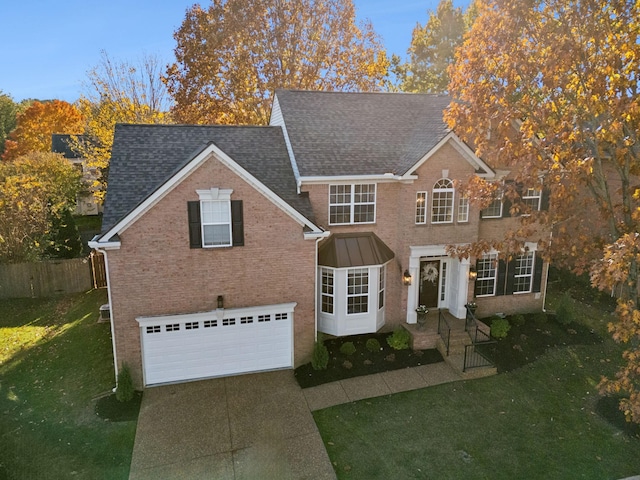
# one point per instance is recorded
(178, 348)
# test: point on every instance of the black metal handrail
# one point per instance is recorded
(472, 327)
(444, 330)
(473, 358)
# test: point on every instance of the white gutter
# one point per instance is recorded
(321, 179)
(95, 246)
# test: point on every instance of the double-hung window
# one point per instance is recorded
(531, 198)
(216, 223)
(487, 274)
(352, 203)
(215, 220)
(357, 290)
(523, 274)
(381, 286)
(327, 290)
(494, 210)
(442, 201)
(463, 209)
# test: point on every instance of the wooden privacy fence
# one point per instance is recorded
(51, 277)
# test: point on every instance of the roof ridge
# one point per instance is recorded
(195, 125)
(296, 90)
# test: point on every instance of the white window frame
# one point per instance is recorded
(352, 203)
(382, 281)
(329, 292)
(440, 209)
(497, 200)
(463, 209)
(360, 290)
(421, 207)
(215, 196)
(528, 268)
(490, 274)
(532, 197)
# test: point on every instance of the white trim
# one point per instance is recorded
(210, 151)
(352, 202)
(462, 149)
(276, 112)
(425, 209)
(104, 245)
(442, 191)
(215, 194)
(345, 179)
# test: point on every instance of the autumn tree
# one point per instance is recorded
(37, 191)
(36, 124)
(231, 56)
(8, 114)
(118, 92)
(550, 88)
(432, 51)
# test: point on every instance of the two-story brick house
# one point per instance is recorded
(229, 248)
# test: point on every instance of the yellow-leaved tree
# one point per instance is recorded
(232, 56)
(550, 88)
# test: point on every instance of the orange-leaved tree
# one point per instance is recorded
(231, 56)
(550, 88)
(37, 123)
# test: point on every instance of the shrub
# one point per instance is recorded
(564, 312)
(373, 345)
(320, 356)
(539, 318)
(124, 390)
(399, 339)
(347, 348)
(517, 320)
(500, 328)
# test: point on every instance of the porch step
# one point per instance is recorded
(457, 342)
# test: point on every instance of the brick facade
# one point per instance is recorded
(156, 273)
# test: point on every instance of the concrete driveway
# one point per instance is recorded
(243, 427)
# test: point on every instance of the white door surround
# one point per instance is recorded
(452, 293)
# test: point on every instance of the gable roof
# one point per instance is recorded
(146, 157)
(61, 143)
(342, 133)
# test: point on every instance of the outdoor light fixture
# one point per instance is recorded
(406, 277)
(220, 301)
(473, 273)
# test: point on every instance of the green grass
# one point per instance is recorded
(55, 361)
(535, 422)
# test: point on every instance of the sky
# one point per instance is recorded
(48, 46)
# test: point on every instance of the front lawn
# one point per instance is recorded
(55, 361)
(542, 418)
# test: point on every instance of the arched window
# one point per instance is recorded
(442, 201)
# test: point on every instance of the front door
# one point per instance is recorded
(429, 281)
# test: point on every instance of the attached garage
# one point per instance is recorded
(178, 348)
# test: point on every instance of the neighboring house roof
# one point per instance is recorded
(353, 250)
(145, 157)
(341, 133)
(61, 143)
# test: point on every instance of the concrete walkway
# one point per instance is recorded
(252, 426)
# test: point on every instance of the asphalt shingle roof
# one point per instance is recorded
(340, 133)
(144, 157)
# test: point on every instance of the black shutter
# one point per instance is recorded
(506, 207)
(502, 277)
(476, 290)
(511, 276)
(195, 231)
(544, 200)
(237, 224)
(537, 273)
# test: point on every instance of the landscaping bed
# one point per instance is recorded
(362, 361)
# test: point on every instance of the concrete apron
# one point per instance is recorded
(243, 427)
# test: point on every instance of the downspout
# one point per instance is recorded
(113, 332)
(315, 295)
(546, 276)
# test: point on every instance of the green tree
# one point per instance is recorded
(118, 92)
(432, 51)
(8, 113)
(551, 88)
(34, 190)
(231, 56)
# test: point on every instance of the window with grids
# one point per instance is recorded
(531, 198)
(442, 201)
(524, 273)
(354, 203)
(463, 209)
(494, 210)
(357, 290)
(381, 286)
(421, 207)
(487, 274)
(216, 223)
(327, 290)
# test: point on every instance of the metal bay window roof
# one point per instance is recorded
(361, 249)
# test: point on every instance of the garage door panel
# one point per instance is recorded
(243, 340)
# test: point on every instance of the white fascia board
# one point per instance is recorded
(277, 119)
(340, 179)
(461, 148)
(168, 186)
(106, 245)
(316, 235)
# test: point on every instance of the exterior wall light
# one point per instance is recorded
(220, 301)
(406, 278)
(473, 274)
